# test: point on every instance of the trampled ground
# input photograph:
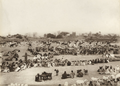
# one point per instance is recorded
(28, 75)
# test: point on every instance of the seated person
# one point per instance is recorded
(17, 69)
(93, 62)
(6, 70)
(44, 75)
(25, 66)
(107, 71)
(89, 62)
(96, 61)
(38, 78)
(102, 60)
(21, 67)
(48, 64)
(101, 70)
(114, 71)
(72, 63)
(117, 68)
(13, 66)
(72, 74)
(31, 65)
(111, 70)
(90, 84)
(68, 63)
(80, 62)
(35, 64)
(83, 63)
(106, 60)
(85, 71)
(79, 73)
(64, 75)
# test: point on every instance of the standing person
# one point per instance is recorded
(57, 71)
(91, 83)
(80, 73)
(1, 60)
(72, 74)
(37, 77)
(0, 63)
(25, 57)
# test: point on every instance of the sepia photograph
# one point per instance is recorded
(59, 42)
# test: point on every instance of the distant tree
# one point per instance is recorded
(97, 34)
(49, 35)
(2, 37)
(9, 35)
(35, 34)
(58, 32)
(114, 37)
(59, 36)
(19, 36)
(89, 34)
(63, 33)
(109, 35)
(28, 35)
(45, 35)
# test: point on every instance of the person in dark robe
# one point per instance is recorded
(85, 71)
(64, 75)
(93, 62)
(57, 71)
(37, 78)
(68, 63)
(59, 85)
(44, 75)
(25, 57)
(109, 84)
(80, 73)
(90, 84)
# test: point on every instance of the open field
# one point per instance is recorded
(28, 75)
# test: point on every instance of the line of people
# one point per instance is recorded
(48, 62)
(68, 47)
(108, 70)
(80, 73)
(74, 47)
(111, 81)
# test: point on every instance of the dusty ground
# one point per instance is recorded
(28, 75)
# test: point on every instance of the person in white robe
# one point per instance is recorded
(107, 71)
(17, 69)
(6, 70)
(117, 68)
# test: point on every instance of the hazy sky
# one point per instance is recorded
(44, 16)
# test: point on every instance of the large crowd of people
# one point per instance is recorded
(51, 48)
(43, 53)
(111, 81)
(8, 66)
(47, 61)
(67, 47)
(109, 70)
(73, 47)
